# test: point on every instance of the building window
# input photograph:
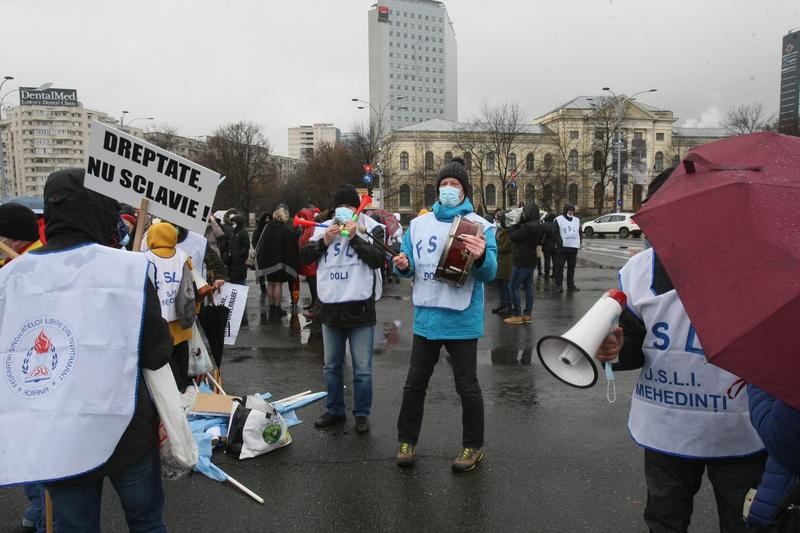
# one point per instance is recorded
(491, 195)
(637, 196)
(572, 162)
(430, 195)
(529, 162)
(429, 160)
(599, 135)
(405, 196)
(530, 193)
(548, 162)
(597, 161)
(547, 195)
(467, 159)
(573, 193)
(403, 160)
(659, 166)
(659, 136)
(638, 135)
(448, 156)
(573, 135)
(490, 162)
(512, 162)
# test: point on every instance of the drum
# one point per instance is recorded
(455, 261)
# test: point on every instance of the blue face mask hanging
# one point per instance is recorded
(449, 196)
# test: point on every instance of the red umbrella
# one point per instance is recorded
(725, 229)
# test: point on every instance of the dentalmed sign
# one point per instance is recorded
(129, 169)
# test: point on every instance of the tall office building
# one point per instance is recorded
(789, 108)
(412, 63)
(303, 140)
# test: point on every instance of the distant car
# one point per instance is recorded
(621, 224)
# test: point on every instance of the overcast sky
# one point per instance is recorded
(198, 64)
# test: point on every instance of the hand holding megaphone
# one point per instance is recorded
(569, 357)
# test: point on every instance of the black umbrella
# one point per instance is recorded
(214, 321)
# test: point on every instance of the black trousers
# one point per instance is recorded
(570, 258)
(549, 261)
(312, 287)
(672, 483)
(424, 356)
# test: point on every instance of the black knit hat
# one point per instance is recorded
(455, 169)
(18, 222)
(346, 195)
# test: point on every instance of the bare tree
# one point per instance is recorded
(331, 165)
(748, 118)
(472, 142)
(240, 151)
(165, 137)
(372, 147)
(601, 157)
(502, 126)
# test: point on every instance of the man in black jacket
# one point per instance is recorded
(347, 281)
(75, 217)
(526, 236)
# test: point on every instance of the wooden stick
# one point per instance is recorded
(291, 398)
(140, 222)
(8, 250)
(48, 512)
(247, 491)
(214, 382)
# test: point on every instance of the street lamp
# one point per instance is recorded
(376, 132)
(619, 107)
(41, 87)
(122, 120)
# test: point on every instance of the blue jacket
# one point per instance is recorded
(437, 323)
(778, 425)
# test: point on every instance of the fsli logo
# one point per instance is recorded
(40, 357)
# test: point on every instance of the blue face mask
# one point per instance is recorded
(449, 196)
(343, 214)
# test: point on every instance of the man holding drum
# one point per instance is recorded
(445, 314)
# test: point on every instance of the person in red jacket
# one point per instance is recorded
(309, 270)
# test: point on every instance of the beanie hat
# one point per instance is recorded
(455, 169)
(18, 222)
(346, 195)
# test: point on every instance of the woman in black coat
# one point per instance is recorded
(277, 257)
(549, 246)
(238, 251)
(263, 220)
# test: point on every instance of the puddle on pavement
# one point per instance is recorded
(510, 356)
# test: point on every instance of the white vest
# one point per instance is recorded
(682, 405)
(166, 274)
(570, 231)
(428, 238)
(195, 246)
(341, 275)
(70, 325)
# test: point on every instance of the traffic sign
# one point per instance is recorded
(367, 179)
(513, 174)
(368, 168)
(619, 203)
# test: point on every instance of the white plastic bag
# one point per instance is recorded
(178, 448)
(199, 359)
(255, 428)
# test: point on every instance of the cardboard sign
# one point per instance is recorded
(234, 297)
(129, 169)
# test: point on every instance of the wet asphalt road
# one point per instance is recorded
(558, 459)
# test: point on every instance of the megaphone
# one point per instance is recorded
(569, 356)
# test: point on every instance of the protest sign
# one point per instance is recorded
(130, 170)
(234, 297)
